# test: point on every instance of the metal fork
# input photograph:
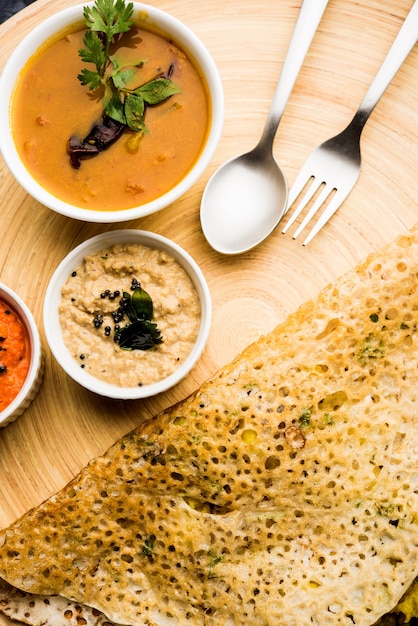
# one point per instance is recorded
(335, 164)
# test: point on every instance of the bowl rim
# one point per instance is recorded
(53, 330)
(166, 23)
(11, 298)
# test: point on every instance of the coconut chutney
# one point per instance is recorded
(90, 302)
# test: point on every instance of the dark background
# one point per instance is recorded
(10, 7)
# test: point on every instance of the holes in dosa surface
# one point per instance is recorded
(177, 476)
(398, 441)
(240, 424)
(248, 435)
(321, 368)
(331, 325)
(333, 401)
(391, 314)
(204, 506)
(272, 462)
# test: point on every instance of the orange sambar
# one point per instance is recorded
(14, 355)
(50, 105)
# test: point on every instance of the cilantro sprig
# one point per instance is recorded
(104, 21)
(108, 18)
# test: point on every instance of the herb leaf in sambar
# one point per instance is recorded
(121, 75)
(109, 17)
(124, 105)
(157, 90)
(92, 53)
(115, 109)
(134, 110)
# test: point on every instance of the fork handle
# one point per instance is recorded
(310, 15)
(401, 47)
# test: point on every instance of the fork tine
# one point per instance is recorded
(299, 183)
(332, 208)
(294, 193)
(314, 209)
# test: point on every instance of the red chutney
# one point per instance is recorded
(14, 354)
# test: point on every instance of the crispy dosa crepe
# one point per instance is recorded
(284, 491)
(39, 610)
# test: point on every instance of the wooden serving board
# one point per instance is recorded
(66, 425)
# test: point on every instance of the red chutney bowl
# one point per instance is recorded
(21, 356)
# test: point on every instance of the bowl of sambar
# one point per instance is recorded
(106, 127)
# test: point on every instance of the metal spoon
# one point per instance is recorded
(246, 197)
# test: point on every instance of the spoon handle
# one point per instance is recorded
(310, 14)
(401, 47)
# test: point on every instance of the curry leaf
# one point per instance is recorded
(138, 306)
(140, 335)
(134, 112)
(157, 90)
(142, 304)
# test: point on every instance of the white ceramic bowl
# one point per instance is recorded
(58, 21)
(34, 377)
(53, 330)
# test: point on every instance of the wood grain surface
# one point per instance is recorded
(66, 425)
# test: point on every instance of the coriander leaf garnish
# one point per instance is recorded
(88, 77)
(125, 105)
(115, 110)
(373, 348)
(110, 19)
(93, 53)
(121, 77)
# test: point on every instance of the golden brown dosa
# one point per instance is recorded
(283, 492)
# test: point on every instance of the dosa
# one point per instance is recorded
(284, 491)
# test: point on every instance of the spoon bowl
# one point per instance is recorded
(243, 202)
(246, 198)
